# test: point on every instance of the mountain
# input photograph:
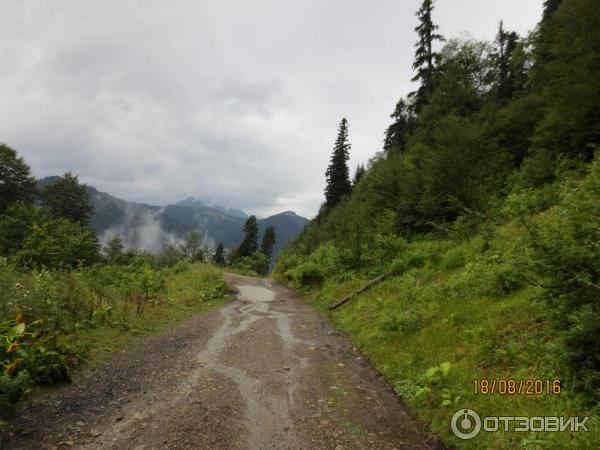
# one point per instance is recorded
(287, 226)
(151, 227)
(194, 202)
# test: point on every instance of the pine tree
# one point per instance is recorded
(425, 57)
(337, 174)
(219, 256)
(396, 134)
(16, 182)
(268, 242)
(250, 243)
(69, 199)
(506, 43)
(358, 174)
(550, 7)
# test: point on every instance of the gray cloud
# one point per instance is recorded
(231, 101)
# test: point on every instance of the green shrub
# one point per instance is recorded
(308, 274)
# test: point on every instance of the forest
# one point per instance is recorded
(483, 210)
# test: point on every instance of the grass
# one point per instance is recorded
(462, 311)
(64, 319)
(101, 343)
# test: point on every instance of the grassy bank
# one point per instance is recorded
(459, 312)
(52, 322)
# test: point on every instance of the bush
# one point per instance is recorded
(308, 274)
(564, 258)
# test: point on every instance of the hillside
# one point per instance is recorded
(483, 212)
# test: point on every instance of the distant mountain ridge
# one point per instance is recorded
(150, 227)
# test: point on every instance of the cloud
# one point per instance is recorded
(234, 102)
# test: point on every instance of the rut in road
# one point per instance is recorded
(263, 372)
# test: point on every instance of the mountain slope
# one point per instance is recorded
(151, 227)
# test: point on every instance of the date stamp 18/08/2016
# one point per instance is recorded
(504, 386)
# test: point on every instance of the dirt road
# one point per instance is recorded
(264, 372)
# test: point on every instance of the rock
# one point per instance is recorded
(341, 365)
(286, 368)
(324, 422)
(119, 418)
(79, 423)
(95, 432)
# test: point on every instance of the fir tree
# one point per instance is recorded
(425, 57)
(506, 43)
(250, 243)
(550, 7)
(268, 242)
(338, 177)
(358, 174)
(219, 256)
(397, 133)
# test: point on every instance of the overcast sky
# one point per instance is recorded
(232, 101)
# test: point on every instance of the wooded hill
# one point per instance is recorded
(484, 207)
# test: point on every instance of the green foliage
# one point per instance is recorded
(57, 243)
(55, 308)
(67, 198)
(193, 249)
(219, 256)
(337, 175)
(425, 56)
(255, 265)
(570, 79)
(268, 242)
(16, 182)
(565, 259)
(250, 243)
(114, 250)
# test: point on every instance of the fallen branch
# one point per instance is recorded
(358, 291)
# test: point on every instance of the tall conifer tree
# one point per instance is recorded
(250, 243)
(397, 133)
(268, 242)
(425, 57)
(338, 175)
(506, 43)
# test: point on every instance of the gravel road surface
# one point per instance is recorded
(264, 372)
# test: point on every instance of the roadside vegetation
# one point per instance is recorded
(64, 300)
(484, 210)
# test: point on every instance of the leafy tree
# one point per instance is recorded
(114, 249)
(16, 225)
(425, 56)
(193, 249)
(57, 244)
(268, 242)
(250, 243)
(337, 174)
(170, 255)
(219, 256)
(69, 199)
(16, 182)
(396, 135)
